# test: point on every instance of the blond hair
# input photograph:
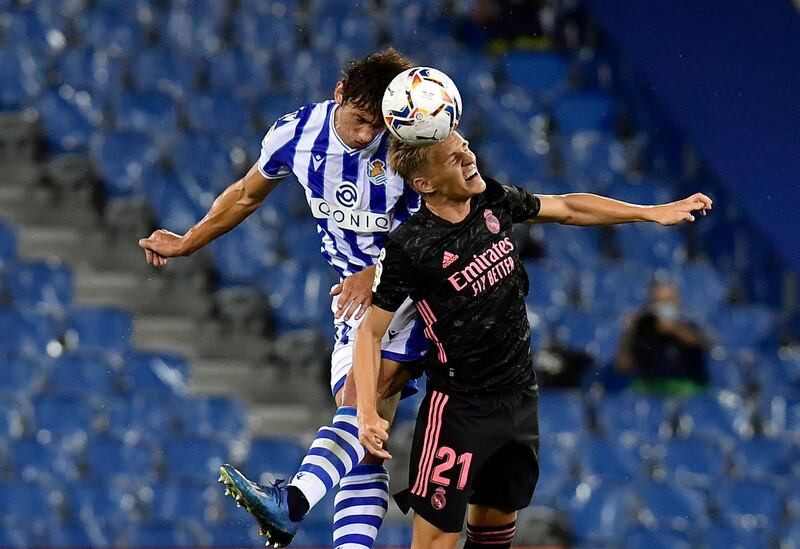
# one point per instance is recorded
(407, 159)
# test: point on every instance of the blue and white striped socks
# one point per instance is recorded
(360, 506)
(333, 454)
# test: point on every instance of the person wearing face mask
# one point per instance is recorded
(661, 351)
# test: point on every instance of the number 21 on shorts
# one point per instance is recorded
(449, 456)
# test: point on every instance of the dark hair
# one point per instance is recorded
(365, 80)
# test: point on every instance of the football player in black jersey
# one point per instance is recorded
(476, 442)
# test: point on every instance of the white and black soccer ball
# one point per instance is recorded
(421, 106)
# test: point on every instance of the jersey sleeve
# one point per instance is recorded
(392, 283)
(407, 205)
(522, 204)
(274, 161)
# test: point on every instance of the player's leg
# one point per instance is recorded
(427, 536)
(489, 528)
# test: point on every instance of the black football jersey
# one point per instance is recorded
(469, 287)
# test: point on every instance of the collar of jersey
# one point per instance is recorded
(348, 149)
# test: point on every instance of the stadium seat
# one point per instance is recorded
(750, 504)
(173, 205)
(561, 413)
(193, 26)
(155, 374)
(168, 71)
(744, 326)
(20, 375)
(33, 461)
(205, 159)
(151, 113)
(78, 373)
(39, 284)
(99, 501)
(761, 458)
(540, 73)
(583, 112)
(67, 128)
(156, 534)
(121, 158)
(219, 115)
(8, 244)
(100, 328)
(592, 157)
(183, 499)
(266, 27)
(646, 417)
(721, 534)
(145, 415)
(23, 76)
(16, 414)
(233, 71)
(705, 416)
(609, 459)
(113, 29)
(671, 506)
(194, 457)
(94, 71)
(695, 462)
(109, 457)
(216, 416)
(278, 456)
(63, 415)
(598, 513)
(24, 501)
(643, 538)
(71, 534)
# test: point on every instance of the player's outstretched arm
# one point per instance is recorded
(230, 208)
(373, 431)
(591, 209)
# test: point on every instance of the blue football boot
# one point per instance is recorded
(267, 504)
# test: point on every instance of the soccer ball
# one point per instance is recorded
(421, 106)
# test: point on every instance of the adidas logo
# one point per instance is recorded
(448, 259)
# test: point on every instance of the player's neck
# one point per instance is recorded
(449, 210)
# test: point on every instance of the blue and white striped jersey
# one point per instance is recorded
(354, 196)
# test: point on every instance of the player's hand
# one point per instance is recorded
(355, 294)
(373, 432)
(161, 245)
(682, 210)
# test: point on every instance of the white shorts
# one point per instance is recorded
(404, 341)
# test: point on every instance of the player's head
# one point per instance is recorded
(359, 93)
(445, 170)
(664, 301)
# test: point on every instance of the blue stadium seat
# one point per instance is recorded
(608, 458)
(214, 416)
(109, 457)
(592, 157)
(510, 163)
(156, 374)
(220, 115)
(66, 127)
(39, 284)
(542, 74)
(94, 71)
(789, 537)
(117, 30)
(693, 461)
(165, 70)
(182, 499)
(266, 27)
(278, 456)
(701, 288)
(615, 287)
(234, 71)
(25, 501)
(561, 413)
(705, 416)
(206, 159)
(721, 534)
(16, 414)
(583, 112)
(71, 534)
(20, 375)
(43, 463)
(549, 284)
(145, 415)
(63, 415)
(651, 245)
(672, 506)
(750, 504)
(555, 468)
(763, 458)
(99, 501)
(598, 513)
(172, 204)
(149, 112)
(78, 373)
(23, 76)
(745, 326)
(643, 538)
(193, 26)
(121, 158)
(100, 328)
(647, 417)
(194, 457)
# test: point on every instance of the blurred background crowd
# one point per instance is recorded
(669, 359)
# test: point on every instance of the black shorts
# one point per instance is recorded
(468, 448)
